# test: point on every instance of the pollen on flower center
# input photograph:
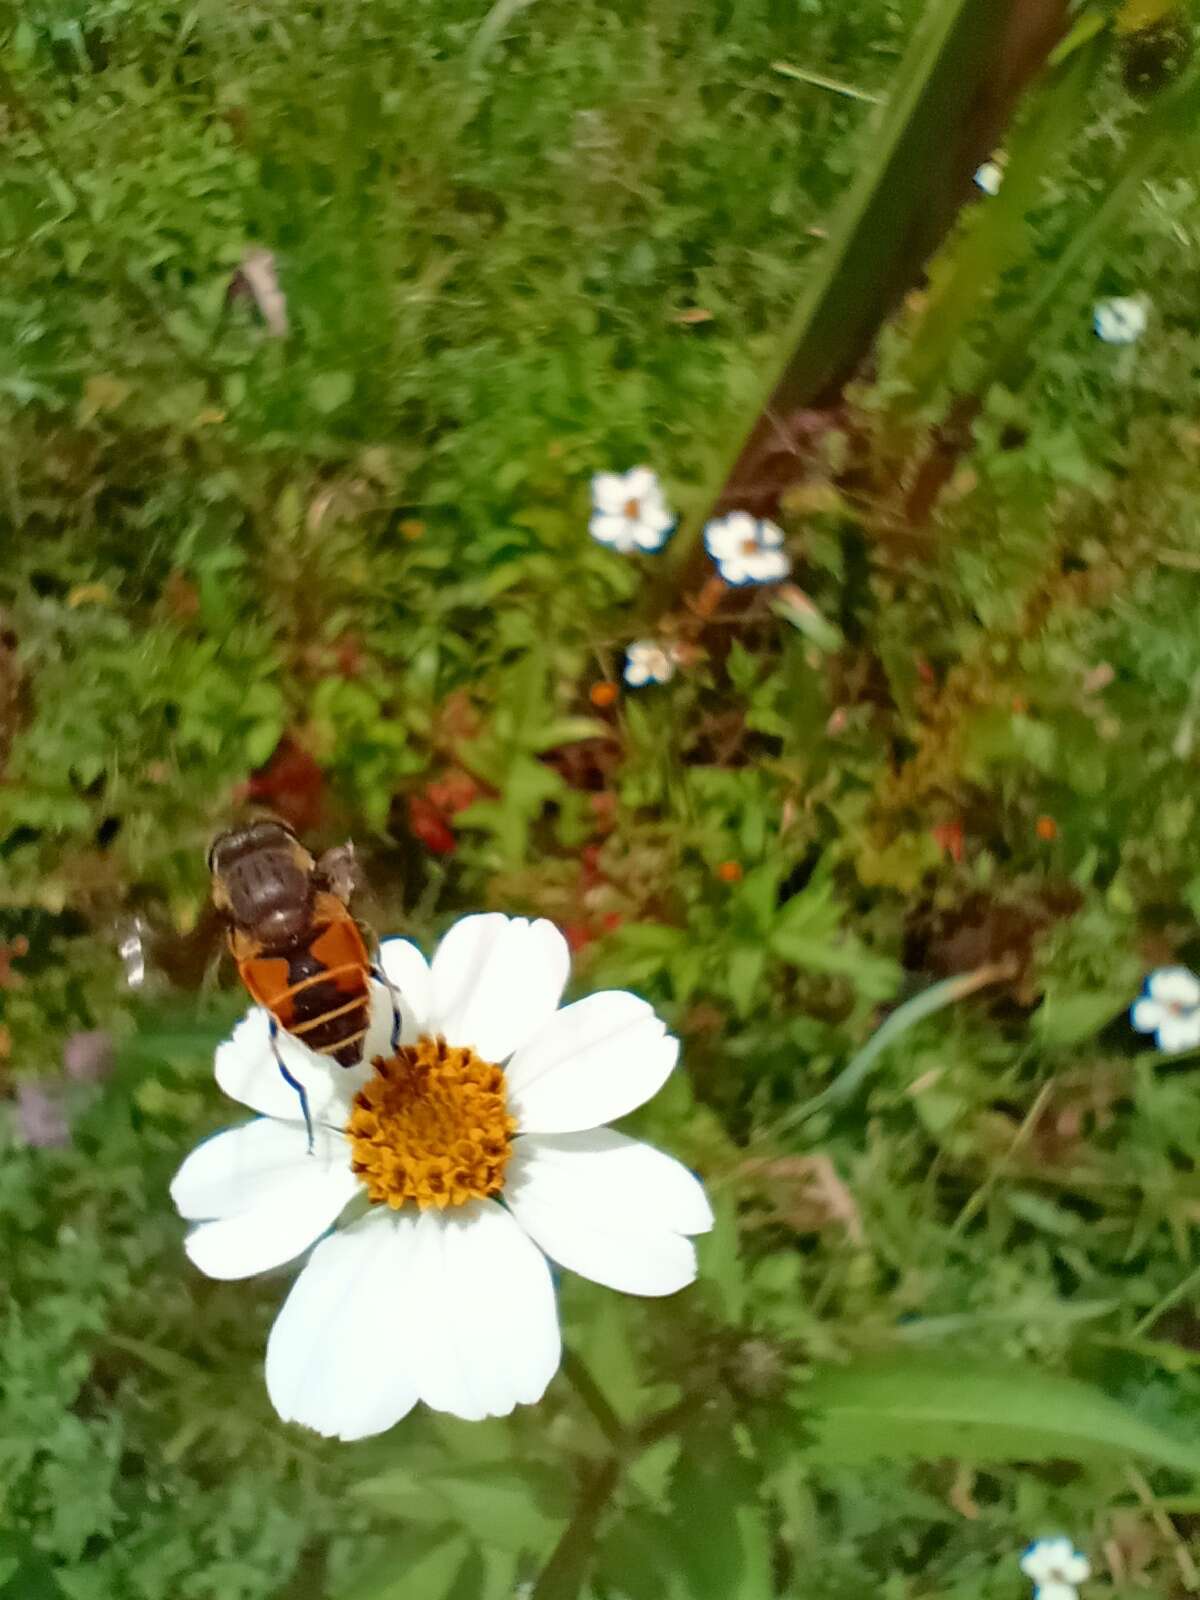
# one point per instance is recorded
(749, 547)
(432, 1126)
(633, 509)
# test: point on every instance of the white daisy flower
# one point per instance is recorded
(989, 176)
(1054, 1566)
(747, 549)
(630, 511)
(474, 1151)
(1169, 1008)
(1121, 320)
(647, 662)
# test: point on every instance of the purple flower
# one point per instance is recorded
(88, 1057)
(41, 1117)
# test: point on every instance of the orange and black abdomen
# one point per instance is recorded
(319, 991)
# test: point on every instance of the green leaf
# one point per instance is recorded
(1154, 139)
(723, 1547)
(904, 195)
(797, 609)
(610, 1353)
(857, 1070)
(722, 1264)
(413, 1566)
(963, 279)
(565, 730)
(329, 391)
(925, 1407)
(744, 975)
(506, 1506)
(502, 1505)
(637, 1558)
(25, 1574)
(1071, 1018)
(24, 43)
(485, 1575)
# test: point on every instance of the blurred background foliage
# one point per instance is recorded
(344, 573)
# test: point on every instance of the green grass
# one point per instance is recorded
(370, 539)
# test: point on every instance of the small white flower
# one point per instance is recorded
(433, 1290)
(989, 177)
(747, 549)
(1121, 320)
(647, 662)
(1169, 1008)
(630, 511)
(1054, 1566)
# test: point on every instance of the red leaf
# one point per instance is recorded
(429, 825)
(292, 784)
(948, 836)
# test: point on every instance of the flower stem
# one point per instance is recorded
(589, 1391)
(565, 1572)
(563, 1575)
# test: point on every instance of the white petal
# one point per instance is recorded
(616, 531)
(1147, 1015)
(768, 566)
(727, 536)
(640, 482)
(1120, 320)
(656, 513)
(483, 1315)
(238, 1170)
(339, 1359)
(1174, 986)
(770, 535)
(271, 1198)
(377, 1043)
(247, 1071)
(1036, 1562)
(651, 534)
(646, 661)
(496, 981)
(591, 1063)
(609, 1208)
(1055, 1589)
(1077, 1568)
(610, 491)
(630, 1181)
(407, 969)
(734, 570)
(1045, 1559)
(1179, 1033)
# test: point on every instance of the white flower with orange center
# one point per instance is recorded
(648, 662)
(630, 511)
(1055, 1567)
(1169, 1008)
(463, 1160)
(1121, 320)
(747, 549)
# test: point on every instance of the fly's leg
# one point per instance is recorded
(380, 976)
(292, 1082)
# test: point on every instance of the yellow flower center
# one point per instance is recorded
(432, 1126)
(633, 509)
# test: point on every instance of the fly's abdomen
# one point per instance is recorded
(330, 995)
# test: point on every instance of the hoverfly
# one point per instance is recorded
(298, 949)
